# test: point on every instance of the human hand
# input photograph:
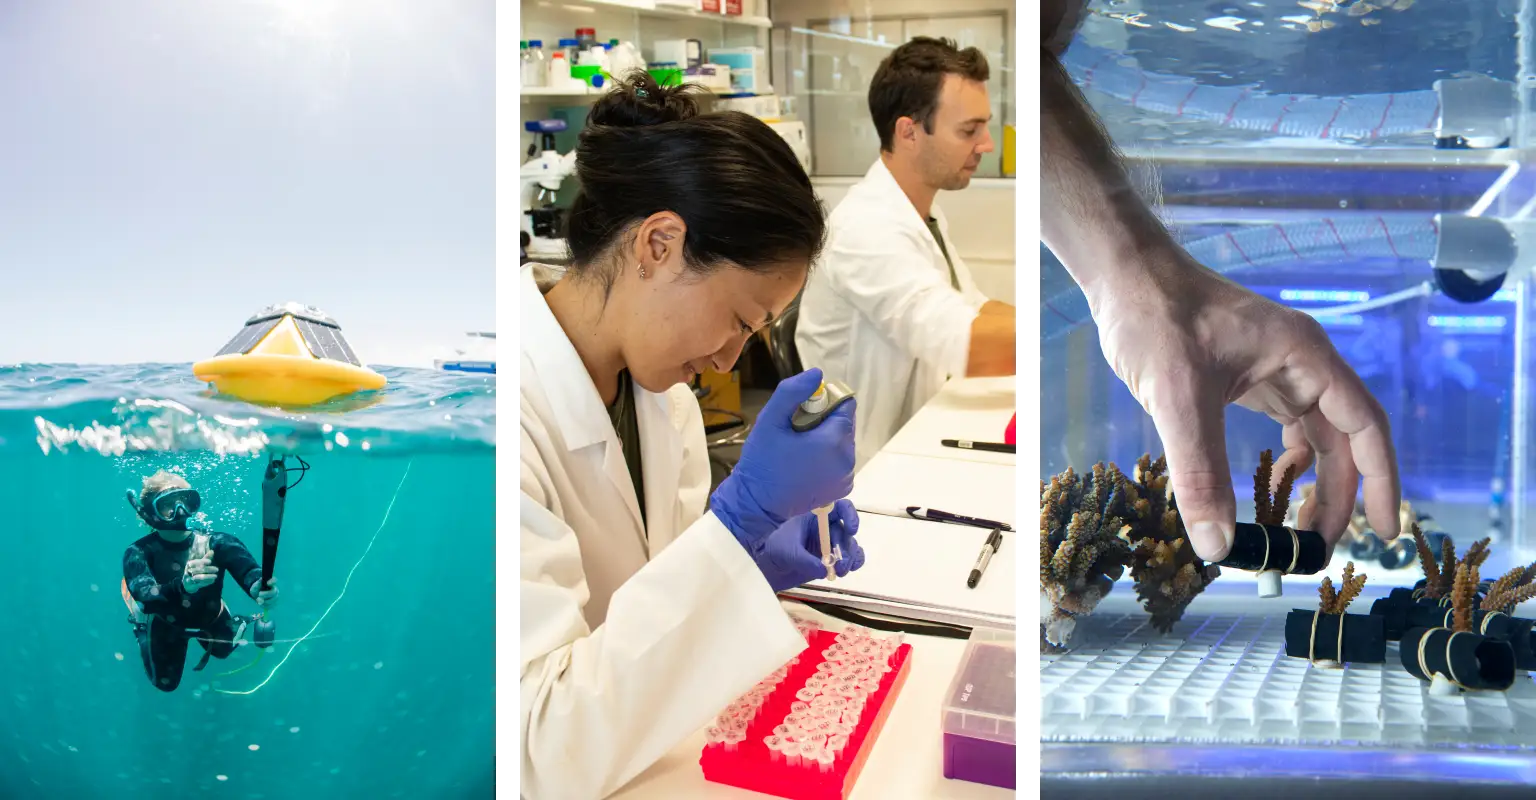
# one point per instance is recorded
(783, 473)
(1187, 342)
(199, 573)
(264, 597)
(791, 555)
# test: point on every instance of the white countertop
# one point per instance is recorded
(893, 481)
(913, 469)
(977, 409)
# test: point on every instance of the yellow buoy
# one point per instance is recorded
(287, 355)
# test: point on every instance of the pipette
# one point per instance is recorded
(827, 398)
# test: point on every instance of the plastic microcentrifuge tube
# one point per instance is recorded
(823, 530)
(825, 759)
(798, 706)
(836, 743)
(806, 695)
(808, 750)
(773, 743)
(712, 736)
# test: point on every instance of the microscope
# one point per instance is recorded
(542, 175)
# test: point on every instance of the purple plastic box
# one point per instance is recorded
(980, 737)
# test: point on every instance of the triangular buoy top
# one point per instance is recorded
(288, 355)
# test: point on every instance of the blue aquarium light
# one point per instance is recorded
(1469, 324)
(1323, 296)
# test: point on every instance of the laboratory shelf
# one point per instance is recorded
(531, 93)
(648, 9)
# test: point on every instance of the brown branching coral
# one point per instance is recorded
(1427, 558)
(1093, 527)
(1439, 579)
(1261, 483)
(1081, 552)
(1514, 588)
(1168, 574)
(1463, 589)
(1269, 510)
(1336, 602)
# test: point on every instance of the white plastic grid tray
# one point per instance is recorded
(1224, 678)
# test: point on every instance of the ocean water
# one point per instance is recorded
(382, 681)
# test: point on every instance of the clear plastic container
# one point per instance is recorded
(981, 711)
(572, 50)
(535, 65)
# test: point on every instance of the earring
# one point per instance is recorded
(642, 272)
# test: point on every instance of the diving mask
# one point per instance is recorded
(168, 510)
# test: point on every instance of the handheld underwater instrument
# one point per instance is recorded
(274, 497)
(288, 355)
(827, 398)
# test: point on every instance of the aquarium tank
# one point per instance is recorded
(1362, 161)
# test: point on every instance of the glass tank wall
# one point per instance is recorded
(1356, 160)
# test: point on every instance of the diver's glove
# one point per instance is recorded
(791, 555)
(783, 473)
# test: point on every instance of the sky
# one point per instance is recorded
(169, 167)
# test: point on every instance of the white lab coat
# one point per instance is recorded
(879, 312)
(630, 639)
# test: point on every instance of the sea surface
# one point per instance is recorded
(382, 681)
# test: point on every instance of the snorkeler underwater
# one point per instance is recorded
(173, 578)
(151, 509)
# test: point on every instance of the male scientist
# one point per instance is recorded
(891, 308)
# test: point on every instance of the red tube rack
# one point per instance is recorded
(750, 765)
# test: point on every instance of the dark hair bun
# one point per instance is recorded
(638, 101)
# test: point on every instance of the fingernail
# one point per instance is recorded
(1210, 542)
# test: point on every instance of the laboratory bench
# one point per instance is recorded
(907, 759)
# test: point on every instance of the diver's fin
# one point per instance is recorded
(203, 662)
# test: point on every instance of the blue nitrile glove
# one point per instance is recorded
(783, 473)
(791, 555)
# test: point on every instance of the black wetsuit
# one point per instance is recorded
(153, 569)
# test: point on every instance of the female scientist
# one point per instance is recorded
(642, 615)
